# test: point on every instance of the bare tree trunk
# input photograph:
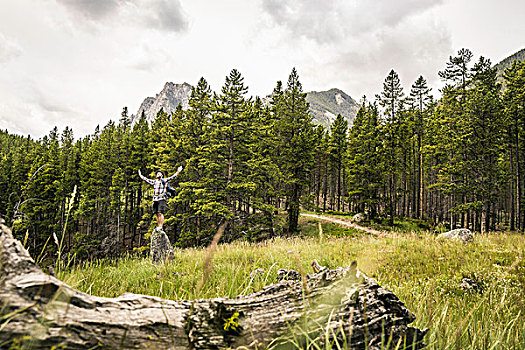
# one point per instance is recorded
(325, 188)
(339, 187)
(392, 199)
(421, 196)
(46, 312)
(344, 187)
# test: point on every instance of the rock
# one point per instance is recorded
(109, 247)
(161, 249)
(358, 217)
(461, 234)
(257, 273)
(288, 275)
(470, 286)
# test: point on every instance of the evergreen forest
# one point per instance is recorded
(455, 161)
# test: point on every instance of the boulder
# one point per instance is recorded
(358, 217)
(461, 234)
(161, 249)
(109, 247)
(469, 285)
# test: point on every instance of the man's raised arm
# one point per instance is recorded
(176, 174)
(150, 181)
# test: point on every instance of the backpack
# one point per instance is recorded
(170, 191)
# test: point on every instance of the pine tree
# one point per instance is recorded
(391, 98)
(196, 193)
(69, 163)
(263, 173)
(98, 166)
(296, 145)
(421, 101)
(514, 104)
(365, 161)
(337, 149)
(232, 126)
(41, 202)
(457, 73)
(232, 122)
(140, 158)
(454, 177)
(321, 165)
(485, 141)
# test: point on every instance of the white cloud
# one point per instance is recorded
(92, 9)
(357, 42)
(9, 49)
(37, 113)
(145, 57)
(332, 21)
(164, 15)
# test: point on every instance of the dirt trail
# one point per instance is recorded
(344, 223)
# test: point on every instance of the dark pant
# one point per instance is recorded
(159, 206)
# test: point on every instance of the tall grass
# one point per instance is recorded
(427, 276)
(423, 272)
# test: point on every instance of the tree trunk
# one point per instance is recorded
(325, 188)
(343, 303)
(518, 182)
(293, 209)
(344, 187)
(421, 197)
(487, 217)
(339, 187)
(317, 187)
(392, 199)
(511, 188)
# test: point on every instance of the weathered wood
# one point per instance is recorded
(338, 303)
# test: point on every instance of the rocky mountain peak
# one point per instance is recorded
(168, 99)
(326, 105)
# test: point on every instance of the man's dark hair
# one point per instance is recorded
(159, 171)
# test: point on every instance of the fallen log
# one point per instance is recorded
(341, 305)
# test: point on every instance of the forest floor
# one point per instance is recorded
(425, 273)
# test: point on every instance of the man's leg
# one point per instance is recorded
(160, 219)
(161, 210)
(158, 213)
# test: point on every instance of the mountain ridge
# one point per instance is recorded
(324, 105)
(508, 61)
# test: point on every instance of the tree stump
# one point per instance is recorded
(332, 304)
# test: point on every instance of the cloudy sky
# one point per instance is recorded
(78, 62)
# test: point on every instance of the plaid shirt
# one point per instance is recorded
(159, 186)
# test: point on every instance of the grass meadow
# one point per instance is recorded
(425, 273)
